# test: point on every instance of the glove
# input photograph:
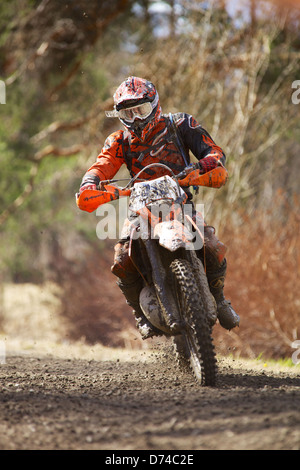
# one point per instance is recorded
(198, 166)
(89, 182)
(206, 164)
(85, 186)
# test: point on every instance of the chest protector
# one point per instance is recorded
(165, 146)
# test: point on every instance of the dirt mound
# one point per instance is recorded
(50, 402)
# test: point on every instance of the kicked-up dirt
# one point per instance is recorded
(139, 400)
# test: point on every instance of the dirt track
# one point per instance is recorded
(51, 402)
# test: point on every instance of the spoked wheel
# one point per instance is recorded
(195, 344)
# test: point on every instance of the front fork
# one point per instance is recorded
(163, 290)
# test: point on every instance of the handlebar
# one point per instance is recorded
(191, 176)
(89, 200)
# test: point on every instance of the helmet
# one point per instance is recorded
(137, 105)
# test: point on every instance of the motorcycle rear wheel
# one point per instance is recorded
(195, 344)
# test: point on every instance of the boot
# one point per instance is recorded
(227, 317)
(132, 293)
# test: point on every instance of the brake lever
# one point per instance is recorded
(180, 175)
(185, 172)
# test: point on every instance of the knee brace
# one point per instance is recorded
(123, 266)
(213, 252)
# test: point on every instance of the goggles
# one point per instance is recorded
(142, 111)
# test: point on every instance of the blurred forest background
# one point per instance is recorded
(231, 65)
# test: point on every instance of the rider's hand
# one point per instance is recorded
(89, 182)
(85, 186)
(207, 164)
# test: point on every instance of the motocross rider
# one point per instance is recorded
(148, 138)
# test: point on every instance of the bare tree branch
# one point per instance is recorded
(58, 126)
(58, 152)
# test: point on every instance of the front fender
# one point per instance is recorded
(173, 235)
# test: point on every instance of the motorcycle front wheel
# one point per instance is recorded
(195, 344)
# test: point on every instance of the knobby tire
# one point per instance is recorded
(195, 344)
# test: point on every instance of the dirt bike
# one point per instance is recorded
(175, 298)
